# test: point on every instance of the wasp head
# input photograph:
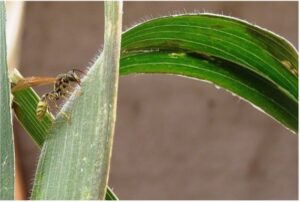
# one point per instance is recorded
(73, 76)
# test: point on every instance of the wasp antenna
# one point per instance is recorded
(78, 70)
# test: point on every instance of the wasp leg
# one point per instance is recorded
(65, 115)
(66, 93)
(64, 96)
(79, 92)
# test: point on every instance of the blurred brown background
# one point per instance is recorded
(175, 138)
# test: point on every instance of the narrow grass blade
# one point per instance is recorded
(75, 158)
(7, 169)
(249, 61)
(110, 195)
(24, 105)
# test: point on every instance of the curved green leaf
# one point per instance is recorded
(7, 169)
(249, 61)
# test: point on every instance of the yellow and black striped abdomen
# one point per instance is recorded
(41, 109)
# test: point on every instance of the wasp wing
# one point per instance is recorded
(32, 81)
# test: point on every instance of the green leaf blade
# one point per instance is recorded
(263, 65)
(7, 170)
(75, 159)
(226, 38)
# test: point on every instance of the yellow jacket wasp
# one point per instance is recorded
(62, 85)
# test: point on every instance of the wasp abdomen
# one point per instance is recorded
(41, 109)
